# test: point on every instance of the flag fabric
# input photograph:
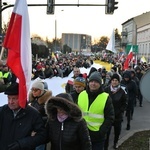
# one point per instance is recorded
(18, 43)
(54, 57)
(128, 59)
(111, 43)
(121, 58)
(143, 59)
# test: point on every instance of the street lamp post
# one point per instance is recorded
(56, 33)
(1, 5)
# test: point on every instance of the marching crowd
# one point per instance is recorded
(79, 119)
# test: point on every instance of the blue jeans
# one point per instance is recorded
(98, 145)
(40, 147)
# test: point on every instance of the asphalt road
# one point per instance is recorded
(141, 121)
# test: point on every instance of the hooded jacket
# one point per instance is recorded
(67, 135)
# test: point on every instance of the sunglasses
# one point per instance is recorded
(34, 90)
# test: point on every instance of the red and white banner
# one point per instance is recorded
(18, 43)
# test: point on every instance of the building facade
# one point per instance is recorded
(136, 31)
(77, 42)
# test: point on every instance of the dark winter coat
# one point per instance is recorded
(72, 134)
(19, 129)
(74, 95)
(119, 100)
(131, 88)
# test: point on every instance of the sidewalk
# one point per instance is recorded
(141, 121)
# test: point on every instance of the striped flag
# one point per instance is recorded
(18, 43)
(128, 59)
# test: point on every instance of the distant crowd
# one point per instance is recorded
(79, 119)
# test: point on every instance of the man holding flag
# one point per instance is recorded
(21, 126)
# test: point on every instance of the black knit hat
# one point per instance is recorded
(65, 96)
(127, 74)
(95, 76)
(13, 89)
(115, 76)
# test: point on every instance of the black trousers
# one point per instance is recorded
(117, 125)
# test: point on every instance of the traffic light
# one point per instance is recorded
(50, 6)
(110, 6)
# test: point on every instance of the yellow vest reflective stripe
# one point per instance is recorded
(94, 115)
(6, 75)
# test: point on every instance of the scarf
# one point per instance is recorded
(114, 89)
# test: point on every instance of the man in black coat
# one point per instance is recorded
(20, 128)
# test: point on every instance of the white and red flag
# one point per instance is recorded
(128, 59)
(18, 43)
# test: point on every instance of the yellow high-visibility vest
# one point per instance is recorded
(5, 75)
(94, 115)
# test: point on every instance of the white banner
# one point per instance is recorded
(55, 84)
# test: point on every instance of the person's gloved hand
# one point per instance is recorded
(14, 146)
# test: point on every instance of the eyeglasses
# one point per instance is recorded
(34, 90)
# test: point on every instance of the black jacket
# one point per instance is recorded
(72, 134)
(19, 129)
(119, 100)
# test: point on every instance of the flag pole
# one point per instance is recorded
(2, 51)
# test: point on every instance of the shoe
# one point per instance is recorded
(141, 105)
(115, 146)
(128, 127)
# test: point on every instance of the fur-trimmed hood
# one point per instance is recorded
(72, 109)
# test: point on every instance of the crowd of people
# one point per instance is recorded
(79, 119)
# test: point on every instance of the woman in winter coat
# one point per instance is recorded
(119, 100)
(37, 98)
(67, 129)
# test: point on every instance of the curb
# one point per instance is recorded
(131, 133)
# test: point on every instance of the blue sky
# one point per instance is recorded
(83, 20)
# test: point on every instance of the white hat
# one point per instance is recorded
(38, 85)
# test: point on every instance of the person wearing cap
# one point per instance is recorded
(66, 128)
(17, 124)
(37, 98)
(79, 85)
(97, 109)
(131, 89)
(119, 100)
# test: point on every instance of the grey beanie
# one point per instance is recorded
(95, 76)
(38, 85)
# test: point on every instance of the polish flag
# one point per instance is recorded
(128, 59)
(18, 43)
